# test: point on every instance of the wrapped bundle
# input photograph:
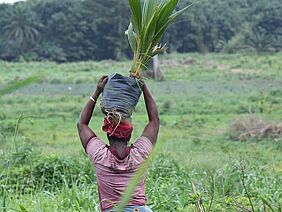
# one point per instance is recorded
(121, 94)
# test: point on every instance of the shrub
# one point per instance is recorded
(26, 170)
(254, 127)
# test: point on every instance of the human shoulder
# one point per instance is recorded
(143, 144)
(142, 140)
(94, 145)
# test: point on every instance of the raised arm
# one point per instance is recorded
(152, 128)
(84, 131)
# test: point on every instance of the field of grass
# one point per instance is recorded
(198, 164)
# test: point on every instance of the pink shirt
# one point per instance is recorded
(113, 174)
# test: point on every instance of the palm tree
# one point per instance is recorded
(20, 26)
(260, 41)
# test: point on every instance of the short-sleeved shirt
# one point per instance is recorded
(113, 174)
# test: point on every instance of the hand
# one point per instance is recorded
(101, 84)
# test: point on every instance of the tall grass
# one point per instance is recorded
(33, 181)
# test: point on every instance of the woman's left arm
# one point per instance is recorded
(84, 131)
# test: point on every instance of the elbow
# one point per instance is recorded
(78, 125)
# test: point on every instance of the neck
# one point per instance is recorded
(120, 148)
(118, 144)
(117, 141)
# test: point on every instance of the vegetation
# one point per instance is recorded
(199, 163)
(75, 30)
(146, 28)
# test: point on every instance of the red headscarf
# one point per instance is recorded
(119, 130)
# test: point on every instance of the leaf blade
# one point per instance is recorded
(136, 14)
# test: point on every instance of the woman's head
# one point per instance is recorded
(117, 129)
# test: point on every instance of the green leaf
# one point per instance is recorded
(159, 50)
(170, 19)
(143, 37)
(23, 209)
(165, 12)
(178, 13)
(131, 37)
(149, 32)
(154, 53)
(162, 4)
(136, 14)
(267, 203)
(149, 8)
(159, 34)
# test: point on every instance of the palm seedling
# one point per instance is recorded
(147, 26)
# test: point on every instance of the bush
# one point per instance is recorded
(249, 127)
(26, 170)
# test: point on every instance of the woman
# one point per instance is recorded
(115, 164)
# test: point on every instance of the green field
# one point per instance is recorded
(199, 161)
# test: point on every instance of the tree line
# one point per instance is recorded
(74, 30)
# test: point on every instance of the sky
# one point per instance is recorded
(8, 1)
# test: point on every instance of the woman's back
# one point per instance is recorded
(113, 173)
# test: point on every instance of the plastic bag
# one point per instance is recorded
(120, 94)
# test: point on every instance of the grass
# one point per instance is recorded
(196, 160)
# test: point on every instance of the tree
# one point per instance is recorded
(74, 30)
(108, 21)
(19, 26)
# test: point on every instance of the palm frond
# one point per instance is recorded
(149, 7)
(131, 37)
(166, 12)
(146, 28)
(136, 14)
(149, 31)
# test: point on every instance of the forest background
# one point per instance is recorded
(75, 30)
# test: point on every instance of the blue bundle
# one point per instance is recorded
(121, 94)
